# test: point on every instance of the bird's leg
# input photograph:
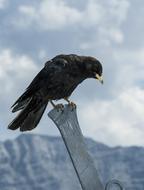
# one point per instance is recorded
(59, 107)
(66, 99)
(71, 104)
(54, 105)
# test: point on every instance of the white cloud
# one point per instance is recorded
(50, 14)
(93, 14)
(3, 3)
(129, 66)
(16, 71)
(116, 35)
(119, 9)
(118, 121)
(13, 70)
(104, 18)
(42, 54)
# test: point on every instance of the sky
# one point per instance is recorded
(32, 32)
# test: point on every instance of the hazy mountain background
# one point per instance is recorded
(39, 162)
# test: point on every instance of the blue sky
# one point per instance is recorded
(31, 32)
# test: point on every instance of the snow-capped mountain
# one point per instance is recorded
(34, 162)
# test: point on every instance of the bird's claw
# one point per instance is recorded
(59, 107)
(72, 105)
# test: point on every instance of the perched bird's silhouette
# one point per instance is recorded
(57, 80)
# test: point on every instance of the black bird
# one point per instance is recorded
(57, 80)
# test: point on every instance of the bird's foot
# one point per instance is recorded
(59, 107)
(72, 105)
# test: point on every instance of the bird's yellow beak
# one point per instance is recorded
(99, 78)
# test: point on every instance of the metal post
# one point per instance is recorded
(67, 123)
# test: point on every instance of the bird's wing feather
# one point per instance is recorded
(34, 86)
(43, 78)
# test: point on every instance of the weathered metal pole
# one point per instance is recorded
(68, 125)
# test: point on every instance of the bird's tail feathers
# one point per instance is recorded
(20, 105)
(29, 117)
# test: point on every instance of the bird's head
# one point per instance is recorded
(94, 69)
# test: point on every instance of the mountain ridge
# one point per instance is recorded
(40, 162)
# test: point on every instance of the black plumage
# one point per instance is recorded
(57, 80)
